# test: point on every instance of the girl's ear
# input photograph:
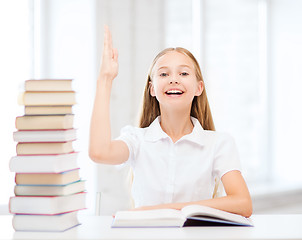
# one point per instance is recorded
(199, 89)
(151, 89)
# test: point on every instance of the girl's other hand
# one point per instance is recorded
(109, 64)
(160, 206)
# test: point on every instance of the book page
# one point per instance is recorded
(204, 211)
(149, 214)
(149, 218)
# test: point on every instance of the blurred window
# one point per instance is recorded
(16, 63)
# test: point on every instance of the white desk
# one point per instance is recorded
(98, 227)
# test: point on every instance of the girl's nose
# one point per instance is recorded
(173, 81)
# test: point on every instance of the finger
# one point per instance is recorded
(109, 39)
(115, 54)
(105, 36)
(108, 50)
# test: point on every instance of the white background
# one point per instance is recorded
(249, 51)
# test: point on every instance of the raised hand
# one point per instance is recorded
(102, 148)
(109, 64)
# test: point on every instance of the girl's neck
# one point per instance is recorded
(176, 124)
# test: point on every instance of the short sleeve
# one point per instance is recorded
(129, 136)
(226, 156)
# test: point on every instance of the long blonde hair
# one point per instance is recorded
(200, 108)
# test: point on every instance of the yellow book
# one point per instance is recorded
(37, 122)
(47, 110)
(48, 85)
(61, 178)
(47, 98)
(44, 148)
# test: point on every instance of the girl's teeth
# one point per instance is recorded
(174, 91)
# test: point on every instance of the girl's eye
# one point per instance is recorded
(163, 74)
(184, 74)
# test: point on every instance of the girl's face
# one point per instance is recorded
(174, 82)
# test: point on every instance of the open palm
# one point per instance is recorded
(109, 64)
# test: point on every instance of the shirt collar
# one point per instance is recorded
(155, 133)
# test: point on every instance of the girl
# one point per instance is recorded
(176, 153)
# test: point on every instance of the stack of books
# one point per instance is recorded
(48, 191)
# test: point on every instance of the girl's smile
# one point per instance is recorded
(174, 92)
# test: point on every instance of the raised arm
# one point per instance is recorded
(101, 148)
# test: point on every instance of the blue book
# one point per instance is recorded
(50, 190)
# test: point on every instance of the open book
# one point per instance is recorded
(193, 215)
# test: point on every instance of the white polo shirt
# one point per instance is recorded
(167, 172)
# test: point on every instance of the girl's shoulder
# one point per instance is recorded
(215, 133)
(217, 136)
(132, 130)
(151, 133)
(209, 135)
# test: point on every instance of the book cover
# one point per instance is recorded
(45, 223)
(56, 135)
(44, 163)
(47, 98)
(48, 110)
(48, 85)
(61, 178)
(40, 148)
(44, 122)
(50, 190)
(47, 205)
